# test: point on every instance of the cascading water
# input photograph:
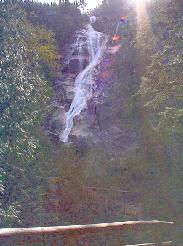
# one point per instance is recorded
(96, 43)
(79, 45)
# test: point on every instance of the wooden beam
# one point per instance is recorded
(79, 229)
(153, 244)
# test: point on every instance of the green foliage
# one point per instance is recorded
(149, 67)
(44, 44)
(161, 108)
(24, 95)
(9, 215)
(162, 88)
(29, 54)
(63, 19)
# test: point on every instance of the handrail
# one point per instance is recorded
(153, 244)
(78, 229)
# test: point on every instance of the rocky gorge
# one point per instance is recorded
(98, 120)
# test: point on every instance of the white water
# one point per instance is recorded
(79, 45)
(96, 43)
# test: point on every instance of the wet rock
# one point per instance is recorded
(70, 95)
(84, 52)
(74, 65)
(75, 53)
(84, 39)
(67, 104)
(65, 69)
(55, 124)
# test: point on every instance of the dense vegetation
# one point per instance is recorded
(63, 19)
(29, 66)
(155, 102)
(150, 60)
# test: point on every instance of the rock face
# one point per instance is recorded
(74, 64)
(76, 60)
(101, 121)
(88, 52)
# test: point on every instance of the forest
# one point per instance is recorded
(127, 137)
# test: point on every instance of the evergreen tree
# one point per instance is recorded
(24, 93)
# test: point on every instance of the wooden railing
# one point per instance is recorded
(153, 244)
(69, 235)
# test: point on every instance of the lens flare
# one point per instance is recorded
(140, 6)
(139, 3)
(144, 30)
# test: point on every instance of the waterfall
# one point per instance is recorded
(79, 45)
(95, 43)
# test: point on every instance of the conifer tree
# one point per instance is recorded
(24, 93)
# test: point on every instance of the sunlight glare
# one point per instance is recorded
(144, 29)
(140, 6)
